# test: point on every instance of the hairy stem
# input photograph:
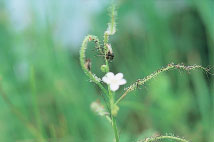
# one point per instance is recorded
(164, 137)
(92, 76)
(140, 82)
(111, 29)
(106, 38)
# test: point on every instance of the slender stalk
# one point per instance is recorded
(140, 82)
(114, 125)
(164, 137)
(111, 101)
(105, 41)
(92, 76)
(113, 120)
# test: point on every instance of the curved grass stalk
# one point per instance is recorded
(159, 138)
(140, 82)
(92, 76)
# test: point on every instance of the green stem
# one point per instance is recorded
(92, 76)
(113, 120)
(106, 37)
(140, 82)
(165, 137)
(114, 125)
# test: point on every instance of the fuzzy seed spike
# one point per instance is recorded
(170, 66)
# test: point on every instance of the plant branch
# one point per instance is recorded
(163, 137)
(92, 76)
(140, 82)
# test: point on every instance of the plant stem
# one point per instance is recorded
(165, 137)
(105, 41)
(114, 125)
(140, 82)
(92, 76)
(113, 120)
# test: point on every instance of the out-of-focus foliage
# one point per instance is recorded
(45, 95)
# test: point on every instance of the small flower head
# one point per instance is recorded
(114, 81)
(98, 108)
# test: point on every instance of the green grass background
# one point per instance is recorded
(45, 96)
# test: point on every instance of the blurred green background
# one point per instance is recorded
(45, 96)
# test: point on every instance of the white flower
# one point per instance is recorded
(114, 81)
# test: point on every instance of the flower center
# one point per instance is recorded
(114, 81)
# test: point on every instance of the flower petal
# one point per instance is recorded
(122, 82)
(114, 87)
(119, 76)
(106, 80)
(110, 75)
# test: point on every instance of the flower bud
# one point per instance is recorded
(104, 68)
